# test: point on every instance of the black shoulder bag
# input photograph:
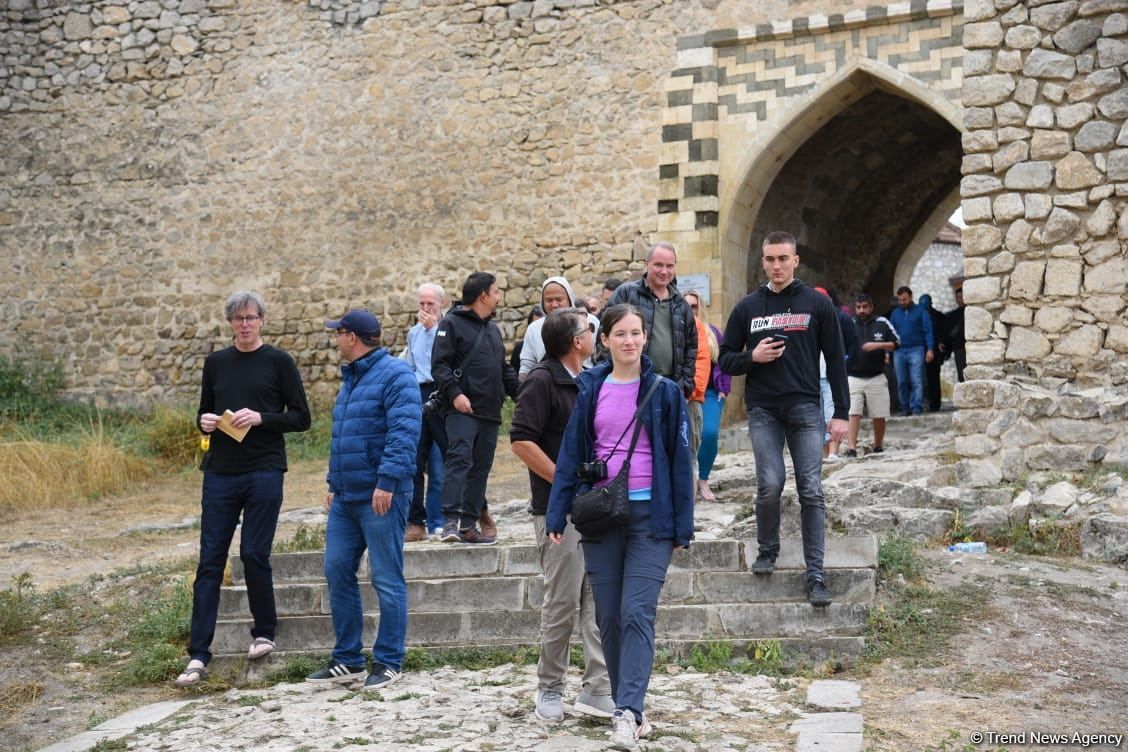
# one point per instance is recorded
(603, 509)
(437, 400)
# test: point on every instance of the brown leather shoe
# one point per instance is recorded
(414, 533)
(487, 525)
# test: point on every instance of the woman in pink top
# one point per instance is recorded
(627, 566)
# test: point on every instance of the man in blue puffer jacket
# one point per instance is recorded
(376, 424)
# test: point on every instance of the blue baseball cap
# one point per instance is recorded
(359, 322)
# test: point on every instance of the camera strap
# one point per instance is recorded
(637, 424)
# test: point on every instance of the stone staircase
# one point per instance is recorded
(463, 596)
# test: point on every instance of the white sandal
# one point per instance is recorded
(260, 648)
(194, 673)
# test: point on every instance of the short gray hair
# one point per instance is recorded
(435, 288)
(665, 245)
(240, 299)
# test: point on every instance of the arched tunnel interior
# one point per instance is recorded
(858, 191)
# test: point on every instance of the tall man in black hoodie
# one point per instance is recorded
(470, 369)
(775, 336)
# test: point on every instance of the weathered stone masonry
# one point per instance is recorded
(1045, 189)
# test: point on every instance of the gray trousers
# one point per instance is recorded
(567, 597)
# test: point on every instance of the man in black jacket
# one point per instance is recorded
(775, 336)
(671, 334)
(866, 370)
(469, 367)
(544, 404)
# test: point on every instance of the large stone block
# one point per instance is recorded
(1027, 344)
(979, 185)
(976, 209)
(977, 323)
(1078, 406)
(987, 90)
(1066, 431)
(975, 446)
(1111, 52)
(983, 353)
(1042, 63)
(1053, 16)
(1025, 281)
(986, 34)
(1011, 154)
(1099, 224)
(1063, 277)
(1117, 338)
(978, 473)
(1082, 342)
(973, 394)
(711, 556)
(981, 239)
(1073, 115)
(1001, 263)
(1057, 457)
(1029, 176)
(1076, 171)
(1018, 236)
(1103, 307)
(1118, 165)
(981, 290)
(1109, 277)
(1053, 318)
(1077, 36)
(1114, 106)
(1006, 207)
(1049, 144)
(1023, 37)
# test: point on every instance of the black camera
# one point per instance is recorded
(434, 402)
(593, 471)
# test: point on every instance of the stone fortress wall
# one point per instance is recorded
(157, 154)
(1045, 194)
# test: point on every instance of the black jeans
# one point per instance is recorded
(426, 505)
(258, 496)
(470, 451)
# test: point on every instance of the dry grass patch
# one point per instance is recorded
(15, 696)
(39, 474)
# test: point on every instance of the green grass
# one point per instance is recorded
(311, 538)
(918, 624)
(898, 557)
(474, 659)
(764, 657)
(294, 670)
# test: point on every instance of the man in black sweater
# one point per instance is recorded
(775, 336)
(261, 388)
(869, 389)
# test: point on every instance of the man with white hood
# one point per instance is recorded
(555, 293)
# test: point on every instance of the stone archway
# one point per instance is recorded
(752, 110)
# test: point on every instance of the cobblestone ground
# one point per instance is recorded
(450, 709)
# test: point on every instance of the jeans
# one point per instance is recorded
(627, 568)
(710, 432)
(909, 362)
(352, 527)
(567, 600)
(258, 496)
(801, 425)
(470, 452)
(427, 508)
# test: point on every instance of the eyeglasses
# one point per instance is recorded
(245, 319)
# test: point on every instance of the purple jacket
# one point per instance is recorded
(720, 381)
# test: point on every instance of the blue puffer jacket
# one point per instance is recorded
(666, 424)
(376, 424)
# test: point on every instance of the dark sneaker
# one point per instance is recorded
(817, 594)
(474, 535)
(877, 450)
(336, 672)
(764, 564)
(850, 453)
(381, 677)
(450, 530)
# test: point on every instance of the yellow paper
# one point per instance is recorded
(229, 428)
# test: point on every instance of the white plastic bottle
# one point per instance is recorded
(969, 547)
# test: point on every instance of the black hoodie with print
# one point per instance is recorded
(808, 319)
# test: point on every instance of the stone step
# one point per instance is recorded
(432, 560)
(726, 621)
(795, 650)
(527, 591)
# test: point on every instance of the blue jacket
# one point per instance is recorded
(913, 326)
(667, 426)
(376, 424)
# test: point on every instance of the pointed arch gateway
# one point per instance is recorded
(844, 130)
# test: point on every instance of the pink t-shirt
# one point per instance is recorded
(614, 409)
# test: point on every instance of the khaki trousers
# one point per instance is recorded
(567, 597)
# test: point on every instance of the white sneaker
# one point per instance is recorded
(549, 705)
(624, 731)
(832, 458)
(598, 706)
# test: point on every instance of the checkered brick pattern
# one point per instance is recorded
(743, 73)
